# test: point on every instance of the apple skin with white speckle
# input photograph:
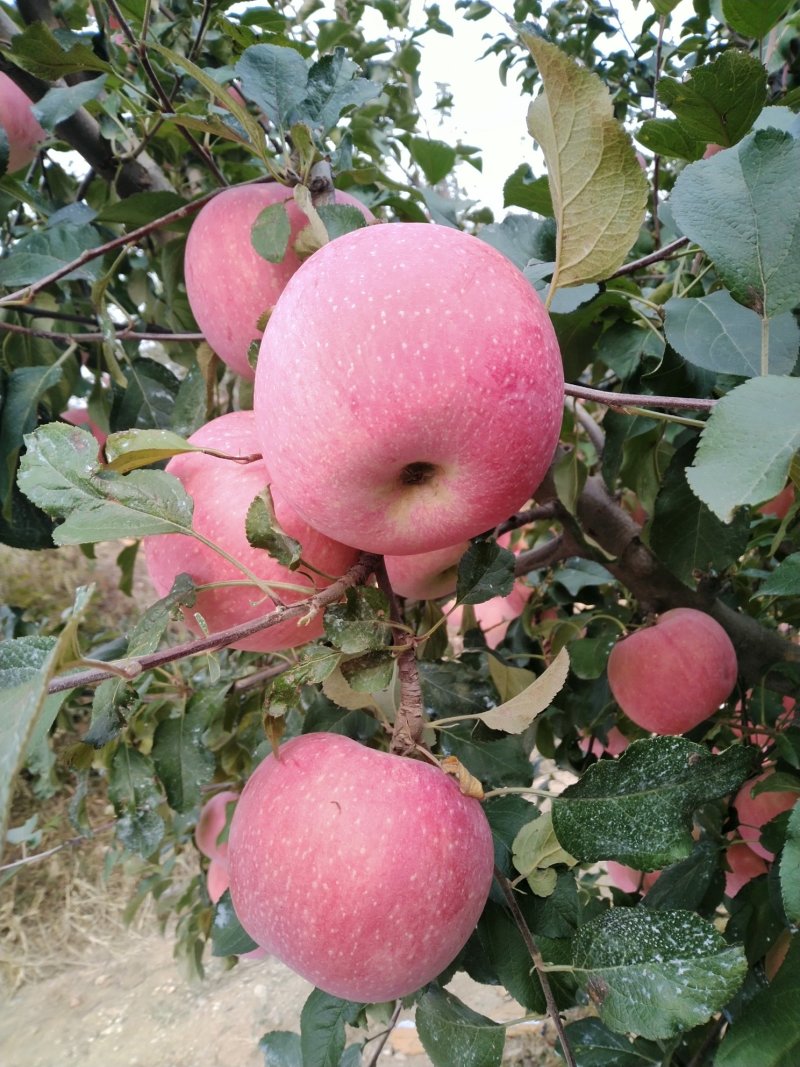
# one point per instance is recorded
(363, 871)
(409, 389)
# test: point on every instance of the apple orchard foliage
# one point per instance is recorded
(646, 507)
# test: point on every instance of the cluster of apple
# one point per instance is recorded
(19, 124)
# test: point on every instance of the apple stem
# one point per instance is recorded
(538, 963)
(383, 1036)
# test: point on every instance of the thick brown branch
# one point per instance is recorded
(409, 721)
(357, 575)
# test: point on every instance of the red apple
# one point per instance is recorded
(756, 811)
(229, 285)
(21, 128)
(217, 880)
(79, 416)
(222, 492)
(493, 616)
(668, 677)
(629, 880)
(409, 389)
(743, 866)
(779, 506)
(712, 149)
(213, 817)
(363, 871)
(616, 742)
(426, 575)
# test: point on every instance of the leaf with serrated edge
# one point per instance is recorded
(322, 1028)
(518, 713)
(130, 449)
(656, 973)
(338, 689)
(638, 808)
(61, 475)
(732, 469)
(535, 848)
(790, 868)
(598, 189)
(452, 1033)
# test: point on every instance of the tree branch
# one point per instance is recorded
(88, 338)
(626, 400)
(653, 257)
(409, 721)
(357, 575)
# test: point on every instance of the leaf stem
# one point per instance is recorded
(665, 416)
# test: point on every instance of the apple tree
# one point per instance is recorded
(390, 550)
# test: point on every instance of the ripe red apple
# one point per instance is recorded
(616, 743)
(744, 865)
(426, 575)
(217, 880)
(78, 416)
(213, 817)
(229, 285)
(779, 506)
(493, 616)
(629, 880)
(668, 677)
(756, 811)
(409, 389)
(21, 128)
(363, 871)
(222, 492)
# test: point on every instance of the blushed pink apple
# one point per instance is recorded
(212, 821)
(21, 128)
(668, 677)
(778, 507)
(79, 416)
(426, 575)
(616, 742)
(756, 811)
(229, 285)
(493, 616)
(629, 880)
(363, 871)
(743, 866)
(409, 389)
(217, 880)
(222, 493)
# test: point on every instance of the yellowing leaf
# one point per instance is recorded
(518, 713)
(509, 681)
(469, 785)
(598, 189)
(338, 689)
(535, 850)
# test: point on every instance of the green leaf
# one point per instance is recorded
(754, 20)
(594, 1045)
(719, 101)
(521, 238)
(638, 808)
(360, 624)
(135, 796)
(656, 973)
(516, 714)
(537, 848)
(141, 208)
(724, 475)
(790, 868)
(24, 390)
(333, 88)
(370, 672)
(435, 158)
(322, 1028)
(182, 761)
(740, 207)
(454, 1035)
(494, 763)
(275, 79)
(264, 531)
(523, 190)
(37, 50)
(484, 571)
(338, 689)
(271, 232)
(685, 884)
(685, 535)
(281, 1048)
(130, 449)
(717, 334)
(598, 189)
(228, 937)
(339, 219)
(766, 1033)
(317, 663)
(61, 103)
(784, 580)
(667, 137)
(60, 473)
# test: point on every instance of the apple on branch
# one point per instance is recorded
(409, 389)
(363, 871)
(19, 124)
(671, 676)
(229, 285)
(223, 492)
(756, 811)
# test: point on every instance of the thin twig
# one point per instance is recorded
(72, 842)
(654, 257)
(254, 680)
(593, 431)
(525, 518)
(626, 400)
(539, 964)
(384, 1037)
(88, 338)
(357, 574)
(657, 162)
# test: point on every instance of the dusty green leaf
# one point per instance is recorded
(60, 103)
(741, 207)
(133, 792)
(339, 219)
(454, 1035)
(598, 189)
(24, 389)
(275, 79)
(519, 712)
(536, 850)
(182, 761)
(638, 808)
(264, 531)
(484, 571)
(361, 623)
(717, 334)
(655, 974)
(732, 469)
(281, 1048)
(333, 87)
(338, 689)
(790, 868)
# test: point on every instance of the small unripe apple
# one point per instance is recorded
(21, 128)
(743, 866)
(363, 871)
(229, 285)
(223, 491)
(778, 507)
(79, 416)
(668, 677)
(756, 811)
(212, 821)
(409, 389)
